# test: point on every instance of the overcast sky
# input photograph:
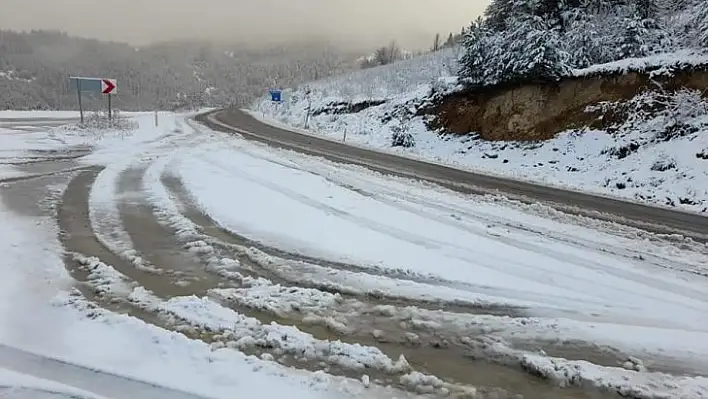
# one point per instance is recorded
(367, 22)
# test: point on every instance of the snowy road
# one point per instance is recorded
(203, 263)
(656, 219)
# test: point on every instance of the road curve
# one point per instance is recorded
(646, 217)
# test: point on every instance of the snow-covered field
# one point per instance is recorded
(315, 243)
(586, 160)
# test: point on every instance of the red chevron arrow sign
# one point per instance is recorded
(108, 86)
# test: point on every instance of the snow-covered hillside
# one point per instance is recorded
(638, 160)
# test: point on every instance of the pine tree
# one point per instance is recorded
(534, 51)
(647, 9)
(554, 12)
(633, 42)
(603, 6)
(475, 59)
(498, 13)
(700, 24)
(450, 41)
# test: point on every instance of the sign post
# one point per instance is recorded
(95, 85)
(78, 92)
(108, 86)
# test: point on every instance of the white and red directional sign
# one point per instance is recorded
(96, 85)
(108, 86)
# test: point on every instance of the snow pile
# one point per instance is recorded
(629, 384)
(245, 332)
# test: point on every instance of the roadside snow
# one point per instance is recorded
(584, 160)
(10, 114)
(18, 385)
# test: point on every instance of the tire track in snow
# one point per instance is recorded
(183, 207)
(519, 268)
(388, 194)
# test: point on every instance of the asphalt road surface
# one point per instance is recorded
(646, 217)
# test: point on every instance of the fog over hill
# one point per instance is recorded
(173, 54)
(344, 23)
(35, 66)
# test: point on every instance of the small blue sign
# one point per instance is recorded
(85, 84)
(276, 95)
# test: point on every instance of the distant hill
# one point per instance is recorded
(35, 67)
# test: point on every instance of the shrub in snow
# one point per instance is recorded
(684, 104)
(664, 164)
(98, 121)
(401, 136)
(654, 117)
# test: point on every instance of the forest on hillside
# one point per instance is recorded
(35, 68)
(544, 40)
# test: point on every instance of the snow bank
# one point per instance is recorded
(663, 63)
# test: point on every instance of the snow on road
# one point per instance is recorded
(486, 250)
(304, 239)
(41, 312)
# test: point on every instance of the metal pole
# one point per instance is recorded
(110, 117)
(78, 92)
(155, 118)
(307, 117)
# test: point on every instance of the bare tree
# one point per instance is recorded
(387, 54)
(436, 43)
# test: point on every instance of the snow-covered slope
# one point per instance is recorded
(641, 160)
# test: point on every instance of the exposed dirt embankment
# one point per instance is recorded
(539, 111)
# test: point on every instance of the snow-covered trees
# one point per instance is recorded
(544, 39)
(632, 40)
(529, 50)
(475, 62)
(535, 51)
(693, 23)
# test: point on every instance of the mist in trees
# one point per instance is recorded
(35, 69)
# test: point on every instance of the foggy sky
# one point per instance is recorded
(358, 22)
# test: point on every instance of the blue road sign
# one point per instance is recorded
(276, 95)
(85, 84)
